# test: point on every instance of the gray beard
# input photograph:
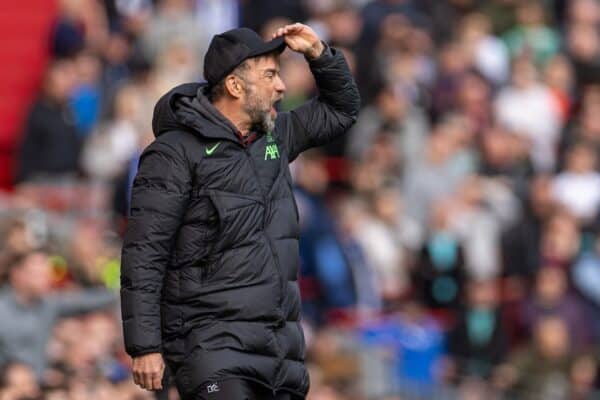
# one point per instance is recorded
(260, 119)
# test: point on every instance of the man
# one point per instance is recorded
(210, 258)
(51, 143)
(30, 309)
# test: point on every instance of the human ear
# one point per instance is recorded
(233, 86)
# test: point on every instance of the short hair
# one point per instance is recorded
(14, 260)
(217, 90)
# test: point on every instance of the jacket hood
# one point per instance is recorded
(186, 107)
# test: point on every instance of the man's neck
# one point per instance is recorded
(235, 115)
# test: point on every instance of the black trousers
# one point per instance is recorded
(239, 389)
(230, 389)
(166, 384)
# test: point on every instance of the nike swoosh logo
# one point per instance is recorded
(211, 150)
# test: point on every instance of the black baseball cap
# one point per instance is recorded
(229, 49)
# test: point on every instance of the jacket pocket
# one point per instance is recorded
(240, 217)
(195, 241)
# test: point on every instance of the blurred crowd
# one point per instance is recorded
(450, 240)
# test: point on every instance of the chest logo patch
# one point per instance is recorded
(271, 150)
(210, 150)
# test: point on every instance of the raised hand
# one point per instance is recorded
(302, 39)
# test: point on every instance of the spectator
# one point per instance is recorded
(474, 101)
(488, 53)
(299, 86)
(584, 12)
(51, 145)
(392, 112)
(483, 210)
(505, 156)
(532, 35)
(552, 297)
(558, 75)
(18, 382)
(416, 345)
(326, 277)
(381, 252)
(543, 369)
(529, 109)
(68, 37)
(366, 281)
(431, 177)
(477, 343)
(173, 24)
(583, 41)
(585, 275)
(418, 355)
(113, 145)
(521, 243)
(453, 63)
(561, 241)
(86, 97)
(16, 240)
(33, 309)
(440, 273)
(578, 187)
(584, 128)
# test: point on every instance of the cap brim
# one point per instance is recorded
(276, 45)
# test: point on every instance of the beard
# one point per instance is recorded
(259, 111)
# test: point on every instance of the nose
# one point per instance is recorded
(279, 85)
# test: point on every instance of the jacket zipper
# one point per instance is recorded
(280, 323)
(271, 246)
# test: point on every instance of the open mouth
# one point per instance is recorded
(274, 106)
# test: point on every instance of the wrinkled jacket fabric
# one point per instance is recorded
(210, 257)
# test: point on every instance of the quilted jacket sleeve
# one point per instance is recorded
(329, 115)
(159, 198)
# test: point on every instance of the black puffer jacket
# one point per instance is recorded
(211, 251)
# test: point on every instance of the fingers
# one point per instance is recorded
(157, 381)
(148, 373)
(280, 32)
(293, 28)
(285, 30)
(147, 381)
(150, 380)
(137, 378)
(157, 378)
